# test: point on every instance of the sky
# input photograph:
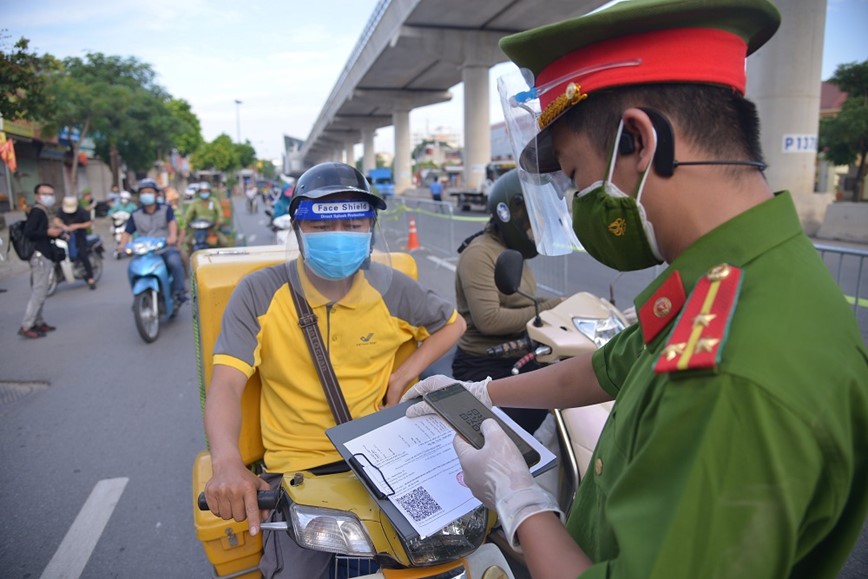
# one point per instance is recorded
(280, 58)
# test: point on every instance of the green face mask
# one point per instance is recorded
(612, 226)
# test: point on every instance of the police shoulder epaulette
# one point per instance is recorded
(697, 340)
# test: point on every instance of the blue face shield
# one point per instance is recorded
(335, 255)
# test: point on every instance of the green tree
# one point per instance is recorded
(246, 154)
(221, 154)
(188, 136)
(266, 168)
(119, 101)
(844, 138)
(24, 81)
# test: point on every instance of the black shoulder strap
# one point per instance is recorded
(324, 369)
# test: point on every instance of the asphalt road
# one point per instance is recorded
(93, 411)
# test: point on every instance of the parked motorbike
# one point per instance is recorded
(204, 234)
(119, 224)
(151, 283)
(582, 323)
(70, 269)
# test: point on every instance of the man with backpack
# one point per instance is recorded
(39, 231)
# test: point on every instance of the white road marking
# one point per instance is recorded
(442, 262)
(71, 557)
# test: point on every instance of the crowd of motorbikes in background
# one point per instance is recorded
(147, 273)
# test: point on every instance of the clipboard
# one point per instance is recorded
(343, 433)
(373, 479)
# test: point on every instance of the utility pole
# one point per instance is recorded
(238, 120)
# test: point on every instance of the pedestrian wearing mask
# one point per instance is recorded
(738, 442)
(39, 230)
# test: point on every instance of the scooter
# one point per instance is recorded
(151, 283)
(582, 323)
(325, 508)
(119, 224)
(204, 234)
(69, 269)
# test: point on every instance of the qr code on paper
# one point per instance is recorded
(419, 504)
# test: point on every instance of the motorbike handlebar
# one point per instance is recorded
(513, 346)
(266, 500)
(516, 368)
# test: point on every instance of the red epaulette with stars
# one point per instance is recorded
(697, 340)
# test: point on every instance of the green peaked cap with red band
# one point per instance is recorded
(637, 42)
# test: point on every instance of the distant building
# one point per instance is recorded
(293, 162)
(500, 146)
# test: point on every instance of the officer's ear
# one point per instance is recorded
(652, 137)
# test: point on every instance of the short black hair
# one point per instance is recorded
(38, 185)
(714, 118)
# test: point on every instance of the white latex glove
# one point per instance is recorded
(499, 477)
(438, 382)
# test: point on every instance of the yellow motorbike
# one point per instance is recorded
(326, 508)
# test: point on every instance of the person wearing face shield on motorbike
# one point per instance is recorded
(364, 310)
(492, 317)
(737, 443)
(154, 219)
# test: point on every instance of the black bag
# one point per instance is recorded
(58, 254)
(22, 244)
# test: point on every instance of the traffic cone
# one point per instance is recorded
(412, 237)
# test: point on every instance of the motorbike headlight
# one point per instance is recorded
(457, 539)
(330, 530)
(599, 330)
(141, 248)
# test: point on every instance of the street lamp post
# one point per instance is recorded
(238, 120)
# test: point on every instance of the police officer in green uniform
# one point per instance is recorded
(738, 442)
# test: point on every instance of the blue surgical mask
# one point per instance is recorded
(204, 195)
(335, 255)
(148, 198)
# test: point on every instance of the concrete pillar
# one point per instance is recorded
(477, 125)
(403, 164)
(784, 81)
(350, 153)
(368, 155)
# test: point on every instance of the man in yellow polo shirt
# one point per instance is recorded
(365, 311)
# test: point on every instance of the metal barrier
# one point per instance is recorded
(435, 223)
(847, 266)
(551, 273)
(438, 234)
